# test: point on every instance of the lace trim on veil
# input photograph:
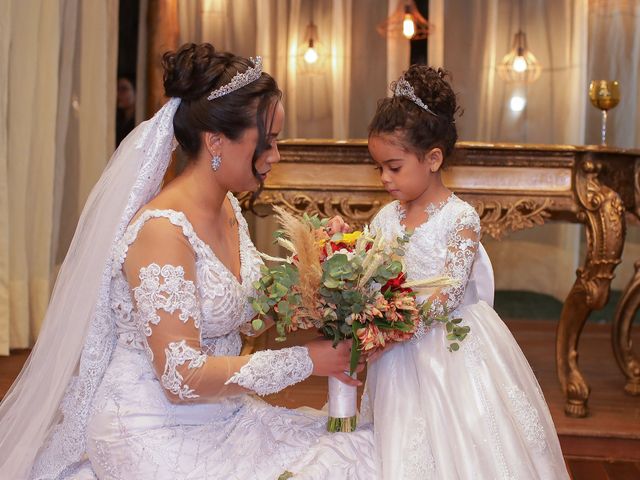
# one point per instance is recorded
(64, 449)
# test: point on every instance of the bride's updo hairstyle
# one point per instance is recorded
(419, 130)
(192, 73)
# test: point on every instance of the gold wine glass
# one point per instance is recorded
(605, 95)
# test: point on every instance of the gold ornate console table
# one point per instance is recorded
(512, 187)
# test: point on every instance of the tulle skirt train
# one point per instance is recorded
(475, 413)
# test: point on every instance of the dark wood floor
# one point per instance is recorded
(605, 445)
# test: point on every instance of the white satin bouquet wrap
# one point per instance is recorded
(343, 401)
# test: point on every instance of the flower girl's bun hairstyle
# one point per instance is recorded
(192, 73)
(420, 130)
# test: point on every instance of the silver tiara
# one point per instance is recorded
(239, 80)
(404, 89)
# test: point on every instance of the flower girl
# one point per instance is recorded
(473, 413)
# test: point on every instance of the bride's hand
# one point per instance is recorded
(332, 362)
(337, 225)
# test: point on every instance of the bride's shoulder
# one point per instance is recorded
(163, 216)
(155, 229)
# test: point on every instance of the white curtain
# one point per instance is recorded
(325, 102)
(476, 37)
(57, 98)
(5, 255)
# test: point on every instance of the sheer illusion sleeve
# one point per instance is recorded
(462, 245)
(161, 270)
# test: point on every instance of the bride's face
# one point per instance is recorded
(405, 176)
(237, 156)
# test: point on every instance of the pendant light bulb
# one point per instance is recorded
(408, 26)
(519, 64)
(310, 56)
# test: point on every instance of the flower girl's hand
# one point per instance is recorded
(332, 362)
(378, 353)
(337, 225)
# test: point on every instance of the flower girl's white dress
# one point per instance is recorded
(477, 413)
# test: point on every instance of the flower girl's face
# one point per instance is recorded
(403, 174)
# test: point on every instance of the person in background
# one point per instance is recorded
(126, 107)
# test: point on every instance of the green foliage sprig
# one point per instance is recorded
(455, 332)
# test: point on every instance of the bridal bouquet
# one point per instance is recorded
(348, 286)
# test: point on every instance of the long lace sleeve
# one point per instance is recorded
(462, 246)
(270, 371)
(161, 270)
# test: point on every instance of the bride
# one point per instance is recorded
(137, 372)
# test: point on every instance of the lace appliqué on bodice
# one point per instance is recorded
(270, 371)
(445, 244)
(223, 305)
(438, 246)
(217, 303)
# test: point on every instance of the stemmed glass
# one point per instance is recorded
(605, 95)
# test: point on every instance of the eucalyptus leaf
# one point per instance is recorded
(395, 267)
(283, 307)
(255, 304)
(257, 324)
(331, 283)
(345, 329)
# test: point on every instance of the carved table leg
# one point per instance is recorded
(602, 213)
(621, 333)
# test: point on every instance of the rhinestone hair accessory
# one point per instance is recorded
(240, 80)
(404, 89)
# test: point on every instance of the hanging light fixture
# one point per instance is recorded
(406, 21)
(520, 64)
(311, 53)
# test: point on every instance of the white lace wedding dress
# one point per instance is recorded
(138, 376)
(135, 432)
(477, 413)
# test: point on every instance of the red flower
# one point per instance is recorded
(335, 246)
(395, 284)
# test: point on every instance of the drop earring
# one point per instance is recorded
(216, 161)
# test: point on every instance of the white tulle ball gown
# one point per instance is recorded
(477, 413)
